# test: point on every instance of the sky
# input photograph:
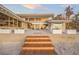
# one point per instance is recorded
(40, 8)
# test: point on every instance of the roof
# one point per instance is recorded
(8, 12)
(35, 15)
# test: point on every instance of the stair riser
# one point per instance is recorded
(37, 45)
(45, 52)
(37, 40)
(37, 37)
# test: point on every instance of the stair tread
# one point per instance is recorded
(37, 45)
(38, 52)
(38, 48)
(37, 42)
(38, 36)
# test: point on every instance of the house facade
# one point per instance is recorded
(8, 19)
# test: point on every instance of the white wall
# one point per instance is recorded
(57, 31)
(5, 31)
(19, 31)
(71, 31)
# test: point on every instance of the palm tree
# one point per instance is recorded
(69, 12)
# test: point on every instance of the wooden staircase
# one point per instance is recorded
(37, 45)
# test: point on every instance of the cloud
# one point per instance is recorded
(34, 6)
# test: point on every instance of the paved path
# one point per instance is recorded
(37, 45)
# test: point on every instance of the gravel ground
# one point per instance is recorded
(66, 44)
(10, 44)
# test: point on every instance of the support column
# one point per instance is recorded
(39, 26)
(22, 24)
(25, 25)
(17, 23)
(28, 20)
(34, 26)
(13, 21)
(8, 21)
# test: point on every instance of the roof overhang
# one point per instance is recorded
(58, 21)
(34, 15)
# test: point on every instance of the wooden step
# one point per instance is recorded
(38, 52)
(37, 42)
(37, 48)
(37, 45)
(37, 38)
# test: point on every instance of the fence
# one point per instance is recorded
(23, 31)
(68, 31)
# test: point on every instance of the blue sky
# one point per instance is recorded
(40, 8)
